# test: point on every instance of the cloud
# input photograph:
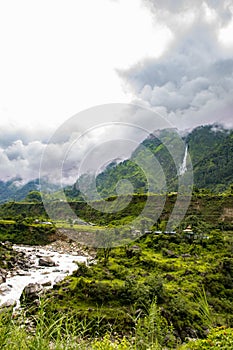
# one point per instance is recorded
(192, 83)
(189, 85)
(11, 132)
(20, 160)
(174, 11)
(21, 149)
(85, 143)
(96, 137)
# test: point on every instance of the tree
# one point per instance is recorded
(104, 243)
(33, 196)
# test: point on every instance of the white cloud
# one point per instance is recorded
(193, 81)
(57, 59)
(92, 130)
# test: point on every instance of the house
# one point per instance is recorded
(189, 232)
(37, 221)
(46, 223)
(147, 231)
(188, 229)
(169, 232)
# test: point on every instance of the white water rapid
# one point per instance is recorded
(11, 290)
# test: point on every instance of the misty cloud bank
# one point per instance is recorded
(85, 143)
(190, 84)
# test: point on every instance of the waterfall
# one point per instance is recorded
(183, 167)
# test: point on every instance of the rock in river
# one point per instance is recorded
(46, 261)
(8, 304)
(3, 274)
(31, 293)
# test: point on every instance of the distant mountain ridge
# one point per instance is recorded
(210, 148)
(13, 190)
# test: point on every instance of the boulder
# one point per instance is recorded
(186, 255)
(4, 289)
(169, 253)
(46, 261)
(32, 288)
(31, 293)
(9, 303)
(58, 279)
(3, 274)
(46, 283)
(23, 273)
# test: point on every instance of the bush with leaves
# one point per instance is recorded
(218, 338)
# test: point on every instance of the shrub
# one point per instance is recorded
(218, 338)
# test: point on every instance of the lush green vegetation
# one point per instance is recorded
(154, 293)
(213, 209)
(172, 268)
(23, 230)
(61, 332)
(219, 338)
(211, 152)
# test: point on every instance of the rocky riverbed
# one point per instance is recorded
(36, 268)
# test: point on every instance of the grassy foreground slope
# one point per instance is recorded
(61, 333)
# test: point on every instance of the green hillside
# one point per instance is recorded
(211, 151)
(152, 293)
(153, 168)
(215, 209)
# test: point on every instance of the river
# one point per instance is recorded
(65, 264)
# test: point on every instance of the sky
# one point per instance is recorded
(61, 58)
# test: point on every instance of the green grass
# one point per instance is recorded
(7, 222)
(109, 305)
(79, 228)
(63, 332)
(218, 339)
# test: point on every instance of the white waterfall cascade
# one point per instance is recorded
(183, 167)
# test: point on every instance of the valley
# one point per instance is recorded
(184, 276)
(114, 272)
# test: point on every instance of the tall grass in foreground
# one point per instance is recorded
(205, 311)
(41, 332)
(152, 332)
(62, 332)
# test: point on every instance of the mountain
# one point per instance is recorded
(157, 168)
(16, 190)
(211, 151)
(154, 166)
(150, 168)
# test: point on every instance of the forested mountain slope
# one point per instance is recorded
(152, 167)
(211, 152)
